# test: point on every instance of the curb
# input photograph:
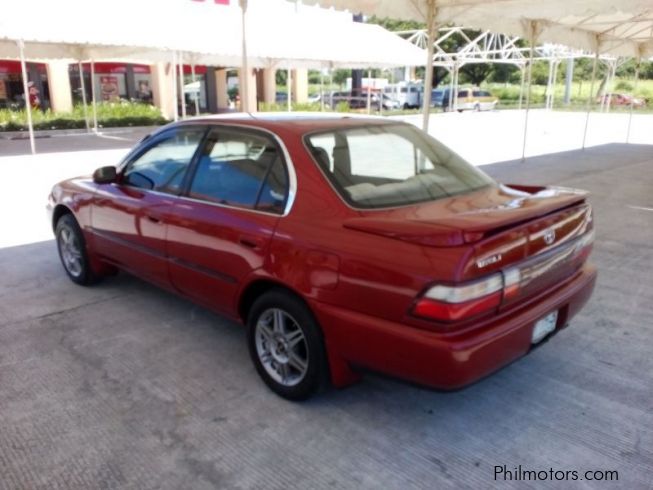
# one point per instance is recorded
(47, 133)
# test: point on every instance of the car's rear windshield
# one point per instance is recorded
(377, 166)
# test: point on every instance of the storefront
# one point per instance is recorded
(112, 82)
(11, 85)
(195, 91)
(120, 81)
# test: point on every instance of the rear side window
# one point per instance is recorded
(375, 166)
(162, 166)
(241, 169)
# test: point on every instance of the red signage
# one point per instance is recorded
(217, 2)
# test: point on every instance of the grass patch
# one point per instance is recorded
(109, 115)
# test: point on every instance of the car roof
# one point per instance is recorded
(296, 122)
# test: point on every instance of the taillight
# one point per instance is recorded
(450, 303)
(584, 245)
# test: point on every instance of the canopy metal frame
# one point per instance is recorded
(489, 47)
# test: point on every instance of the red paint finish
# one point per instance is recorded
(365, 274)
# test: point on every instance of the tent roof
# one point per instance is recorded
(623, 27)
(147, 30)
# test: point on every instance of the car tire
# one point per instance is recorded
(72, 251)
(477, 107)
(286, 345)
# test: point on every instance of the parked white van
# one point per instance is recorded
(408, 94)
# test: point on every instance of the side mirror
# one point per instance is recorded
(105, 175)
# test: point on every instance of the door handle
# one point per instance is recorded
(250, 242)
(153, 218)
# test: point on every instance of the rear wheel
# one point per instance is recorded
(286, 346)
(72, 251)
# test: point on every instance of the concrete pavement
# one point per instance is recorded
(125, 386)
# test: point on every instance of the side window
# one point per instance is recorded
(162, 166)
(462, 93)
(241, 169)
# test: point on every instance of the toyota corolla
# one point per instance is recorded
(343, 244)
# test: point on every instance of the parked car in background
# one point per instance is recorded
(470, 99)
(437, 96)
(281, 97)
(339, 242)
(315, 98)
(408, 94)
(620, 99)
(358, 100)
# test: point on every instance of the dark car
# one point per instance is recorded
(339, 242)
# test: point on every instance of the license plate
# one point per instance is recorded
(544, 327)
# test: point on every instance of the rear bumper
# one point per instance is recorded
(447, 360)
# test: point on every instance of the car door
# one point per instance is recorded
(129, 217)
(220, 230)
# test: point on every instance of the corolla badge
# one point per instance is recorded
(493, 259)
(549, 236)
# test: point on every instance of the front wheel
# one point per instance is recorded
(72, 251)
(286, 345)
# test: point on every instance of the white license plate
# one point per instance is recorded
(544, 327)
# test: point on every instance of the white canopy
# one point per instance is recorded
(623, 27)
(147, 30)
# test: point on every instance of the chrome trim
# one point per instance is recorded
(290, 166)
(227, 206)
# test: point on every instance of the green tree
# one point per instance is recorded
(475, 73)
(340, 77)
(281, 77)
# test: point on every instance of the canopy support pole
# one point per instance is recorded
(369, 91)
(529, 88)
(289, 89)
(553, 87)
(591, 94)
(321, 91)
(330, 85)
(197, 95)
(451, 81)
(613, 74)
(632, 98)
(244, 83)
(549, 81)
(454, 95)
(522, 69)
(182, 90)
(428, 75)
(83, 87)
(93, 97)
(28, 107)
(175, 98)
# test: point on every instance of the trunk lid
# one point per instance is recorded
(501, 226)
(467, 218)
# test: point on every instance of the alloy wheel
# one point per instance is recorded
(281, 347)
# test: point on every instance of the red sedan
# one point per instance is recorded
(341, 243)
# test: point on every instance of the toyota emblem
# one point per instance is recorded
(549, 236)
